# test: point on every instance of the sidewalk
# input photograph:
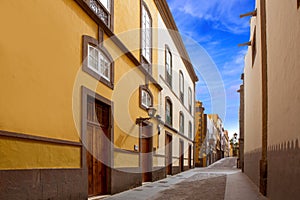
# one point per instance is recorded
(216, 182)
(240, 187)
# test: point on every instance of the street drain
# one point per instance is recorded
(138, 190)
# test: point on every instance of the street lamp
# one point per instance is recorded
(151, 113)
(234, 138)
(234, 144)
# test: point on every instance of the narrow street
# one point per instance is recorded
(219, 181)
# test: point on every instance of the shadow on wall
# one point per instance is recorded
(284, 170)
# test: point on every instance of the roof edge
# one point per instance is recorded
(169, 21)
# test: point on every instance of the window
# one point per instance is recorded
(254, 47)
(181, 87)
(190, 130)
(103, 9)
(146, 97)
(106, 4)
(146, 50)
(168, 64)
(190, 100)
(168, 111)
(181, 123)
(97, 62)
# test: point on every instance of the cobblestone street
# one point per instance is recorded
(219, 181)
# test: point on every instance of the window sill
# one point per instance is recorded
(98, 77)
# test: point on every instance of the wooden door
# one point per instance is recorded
(146, 153)
(181, 156)
(190, 156)
(168, 149)
(97, 134)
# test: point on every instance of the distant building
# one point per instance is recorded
(219, 131)
(211, 141)
(200, 136)
(225, 144)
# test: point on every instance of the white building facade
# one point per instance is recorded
(177, 99)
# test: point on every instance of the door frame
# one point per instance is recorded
(167, 134)
(85, 94)
(181, 155)
(145, 123)
(190, 156)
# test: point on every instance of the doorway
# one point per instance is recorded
(190, 156)
(181, 156)
(146, 152)
(97, 137)
(168, 149)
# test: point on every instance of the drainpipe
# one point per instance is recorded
(264, 62)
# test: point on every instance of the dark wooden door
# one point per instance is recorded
(190, 156)
(181, 156)
(146, 153)
(97, 132)
(168, 149)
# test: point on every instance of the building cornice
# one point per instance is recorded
(169, 21)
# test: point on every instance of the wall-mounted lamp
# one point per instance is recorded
(151, 112)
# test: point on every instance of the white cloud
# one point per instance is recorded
(221, 13)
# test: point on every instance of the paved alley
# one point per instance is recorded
(219, 181)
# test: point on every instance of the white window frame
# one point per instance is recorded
(190, 97)
(146, 99)
(146, 34)
(106, 4)
(169, 112)
(169, 67)
(102, 61)
(181, 87)
(181, 123)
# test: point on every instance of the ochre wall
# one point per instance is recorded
(36, 155)
(126, 159)
(129, 32)
(41, 55)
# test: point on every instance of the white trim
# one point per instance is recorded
(101, 57)
(147, 98)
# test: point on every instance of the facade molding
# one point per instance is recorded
(23, 136)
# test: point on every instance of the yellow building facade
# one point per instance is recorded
(200, 136)
(76, 91)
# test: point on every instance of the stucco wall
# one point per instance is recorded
(164, 38)
(283, 31)
(41, 49)
(253, 93)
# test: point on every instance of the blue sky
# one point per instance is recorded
(214, 29)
